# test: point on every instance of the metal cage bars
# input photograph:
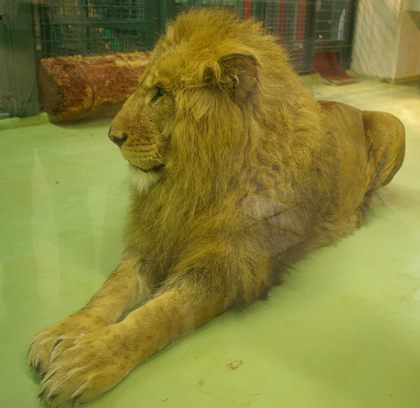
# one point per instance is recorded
(91, 27)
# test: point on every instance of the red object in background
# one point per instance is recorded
(296, 30)
(300, 22)
(325, 64)
(247, 8)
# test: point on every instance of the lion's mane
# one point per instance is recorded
(249, 172)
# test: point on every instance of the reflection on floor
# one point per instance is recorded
(342, 331)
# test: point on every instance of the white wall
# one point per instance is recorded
(408, 60)
(386, 40)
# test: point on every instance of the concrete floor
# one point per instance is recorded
(343, 331)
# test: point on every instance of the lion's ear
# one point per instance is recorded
(242, 70)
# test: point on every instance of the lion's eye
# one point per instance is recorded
(159, 93)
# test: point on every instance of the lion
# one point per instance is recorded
(236, 172)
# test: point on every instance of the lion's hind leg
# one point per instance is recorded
(385, 142)
(385, 137)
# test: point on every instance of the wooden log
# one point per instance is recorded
(75, 85)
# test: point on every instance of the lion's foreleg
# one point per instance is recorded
(101, 359)
(123, 289)
(169, 316)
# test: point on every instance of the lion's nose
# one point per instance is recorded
(118, 138)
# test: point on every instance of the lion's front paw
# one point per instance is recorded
(94, 365)
(50, 343)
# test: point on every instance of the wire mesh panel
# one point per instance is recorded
(332, 20)
(333, 29)
(234, 4)
(89, 27)
(294, 32)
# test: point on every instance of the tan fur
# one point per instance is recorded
(246, 173)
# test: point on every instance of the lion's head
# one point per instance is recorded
(210, 92)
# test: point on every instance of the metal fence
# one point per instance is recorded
(18, 87)
(89, 27)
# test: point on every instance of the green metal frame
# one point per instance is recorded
(92, 27)
(18, 86)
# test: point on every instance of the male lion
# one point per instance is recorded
(236, 172)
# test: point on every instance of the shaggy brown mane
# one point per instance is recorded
(236, 172)
(227, 152)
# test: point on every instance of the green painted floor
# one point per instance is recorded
(342, 331)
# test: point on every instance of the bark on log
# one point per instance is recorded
(73, 85)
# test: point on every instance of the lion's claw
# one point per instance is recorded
(86, 370)
(51, 342)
